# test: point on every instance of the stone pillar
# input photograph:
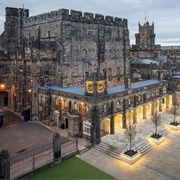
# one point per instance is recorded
(160, 105)
(167, 102)
(112, 118)
(4, 164)
(144, 112)
(152, 108)
(57, 148)
(134, 117)
(124, 113)
(95, 127)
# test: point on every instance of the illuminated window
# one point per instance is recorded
(86, 108)
(75, 106)
(87, 128)
(104, 108)
(118, 104)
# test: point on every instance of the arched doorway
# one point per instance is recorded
(156, 106)
(148, 110)
(105, 127)
(117, 123)
(3, 99)
(170, 101)
(56, 118)
(139, 113)
(129, 116)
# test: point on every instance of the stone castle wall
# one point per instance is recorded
(78, 43)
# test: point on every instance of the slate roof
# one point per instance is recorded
(81, 91)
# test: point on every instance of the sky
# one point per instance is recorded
(164, 13)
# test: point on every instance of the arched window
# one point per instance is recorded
(118, 104)
(110, 74)
(86, 108)
(84, 54)
(104, 108)
(75, 106)
(118, 73)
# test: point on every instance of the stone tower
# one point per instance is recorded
(145, 46)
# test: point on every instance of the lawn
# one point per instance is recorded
(72, 168)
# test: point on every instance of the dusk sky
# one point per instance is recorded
(164, 13)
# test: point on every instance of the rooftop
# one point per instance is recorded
(81, 91)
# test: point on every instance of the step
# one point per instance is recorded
(147, 150)
(112, 155)
(110, 147)
(108, 150)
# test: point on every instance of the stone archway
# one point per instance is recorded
(170, 101)
(118, 123)
(56, 117)
(105, 127)
(3, 99)
(139, 113)
(156, 106)
(129, 116)
(148, 110)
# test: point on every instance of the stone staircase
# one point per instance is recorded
(145, 147)
(115, 152)
(109, 150)
(164, 132)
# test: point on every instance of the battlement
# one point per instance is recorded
(10, 11)
(78, 16)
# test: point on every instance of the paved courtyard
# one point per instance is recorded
(144, 129)
(160, 163)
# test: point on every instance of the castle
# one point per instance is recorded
(73, 70)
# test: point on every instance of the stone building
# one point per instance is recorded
(144, 69)
(145, 47)
(73, 71)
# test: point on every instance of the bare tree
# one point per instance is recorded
(156, 119)
(130, 132)
(174, 111)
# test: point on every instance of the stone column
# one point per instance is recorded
(134, 117)
(112, 118)
(95, 128)
(4, 164)
(124, 113)
(152, 108)
(144, 112)
(167, 102)
(160, 105)
(57, 148)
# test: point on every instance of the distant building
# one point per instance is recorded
(145, 47)
(144, 69)
(173, 53)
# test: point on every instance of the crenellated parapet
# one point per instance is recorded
(77, 16)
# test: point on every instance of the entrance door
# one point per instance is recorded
(66, 120)
(3, 99)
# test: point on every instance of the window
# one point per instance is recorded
(84, 54)
(139, 98)
(118, 104)
(1, 66)
(118, 73)
(56, 101)
(86, 108)
(65, 103)
(75, 106)
(110, 74)
(87, 128)
(48, 33)
(104, 108)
